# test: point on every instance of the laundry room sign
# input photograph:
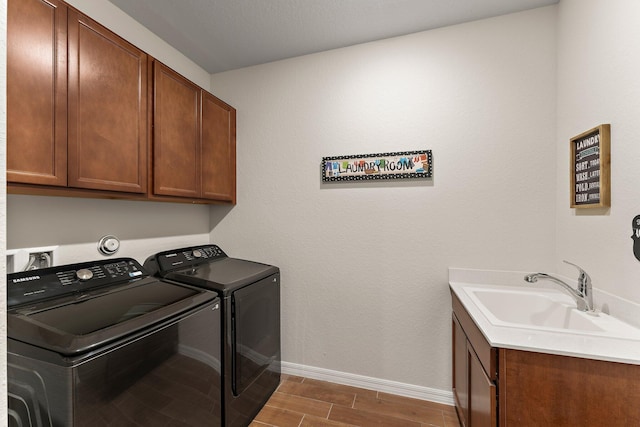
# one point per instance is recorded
(589, 168)
(397, 165)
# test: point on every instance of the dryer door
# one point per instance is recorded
(255, 331)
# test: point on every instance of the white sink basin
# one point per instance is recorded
(543, 309)
(533, 309)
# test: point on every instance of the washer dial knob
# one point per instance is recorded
(197, 253)
(84, 274)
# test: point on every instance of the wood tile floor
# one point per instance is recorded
(303, 402)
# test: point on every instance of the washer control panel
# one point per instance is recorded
(188, 257)
(34, 285)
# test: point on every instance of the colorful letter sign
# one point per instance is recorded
(398, 165)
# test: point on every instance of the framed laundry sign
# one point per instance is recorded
(590, 168)
(397, 165)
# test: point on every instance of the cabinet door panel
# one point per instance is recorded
(37, 92)
(107, 109)
(551, 390)
(460, 372)
(176, 145)
(218, 149)
(483, 401)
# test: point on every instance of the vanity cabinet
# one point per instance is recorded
(76, 101)
(474, 372)
(539, 389)
(518, 388)
(193, 140)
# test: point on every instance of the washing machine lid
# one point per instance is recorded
(223, 275)
(209, 267)
(72, 323)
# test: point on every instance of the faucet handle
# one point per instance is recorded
(583, 277)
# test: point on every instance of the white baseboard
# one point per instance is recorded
(385, 386)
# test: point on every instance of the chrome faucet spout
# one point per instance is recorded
(582, 295)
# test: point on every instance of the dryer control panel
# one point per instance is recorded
(188, 257)
(35, 285)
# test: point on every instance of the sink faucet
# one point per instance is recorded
(582, 295)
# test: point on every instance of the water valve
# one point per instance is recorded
(108, 245)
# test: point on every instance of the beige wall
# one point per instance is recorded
(364, 266)
(598, 69)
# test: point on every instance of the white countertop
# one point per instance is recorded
(624, 347)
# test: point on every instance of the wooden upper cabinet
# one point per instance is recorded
(83, 106)
(37, 92)
(218, 149)
(76, 101)
(193, 141)
(176, 134)
(107, 117)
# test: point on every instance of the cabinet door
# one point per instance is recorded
(218, 149)
(37, 92)
(483, 399)
(460, 372)
(107, 109)
(176, 135)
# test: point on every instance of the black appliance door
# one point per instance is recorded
(168, 375)
(255, 331)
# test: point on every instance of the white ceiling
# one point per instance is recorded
(221, 35)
